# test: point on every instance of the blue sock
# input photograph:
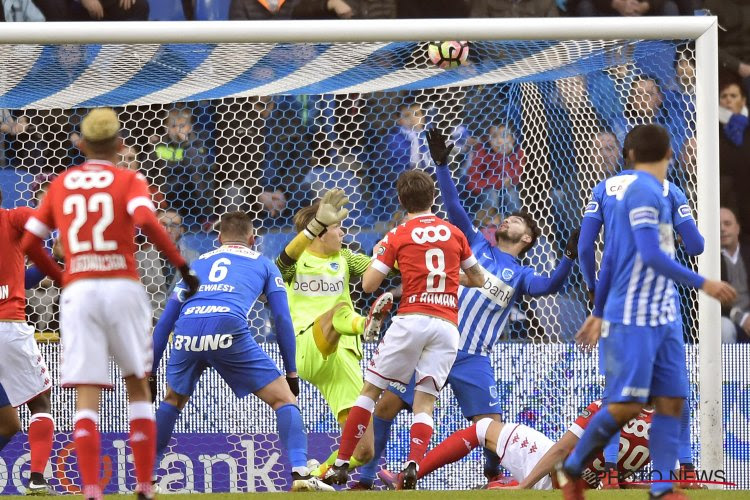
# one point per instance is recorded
(612, 450)
(491, 464)
(382, 430)
(664, 443)
(4, 440)
(594, 438)
(292, 434)
(166, 417)
(686, 451)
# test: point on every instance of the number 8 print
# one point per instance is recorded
(434, 259)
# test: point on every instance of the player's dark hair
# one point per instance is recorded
(649, 143)
(305, 215)
(532, 229)
(236, 224)
(727, 79)
(627, 144)
(416, 191)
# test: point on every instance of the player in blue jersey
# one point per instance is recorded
(642, 345)
(482, 315)
(599, 213)
(211, 329)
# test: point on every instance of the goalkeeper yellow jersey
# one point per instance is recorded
(315, 283)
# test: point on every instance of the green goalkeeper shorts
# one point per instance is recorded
(338, 378)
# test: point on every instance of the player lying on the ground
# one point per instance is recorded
(530, 456)
(233, 278)
(24, 377)
(482, 312)
(317, 270)
(599, 213)
(423, 339)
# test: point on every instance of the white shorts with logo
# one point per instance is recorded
(23, 371)
(520, 448)
(415, 343)
(99, 319)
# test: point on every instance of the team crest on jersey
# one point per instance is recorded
(507, 274)
(493, 391)
(334, 266)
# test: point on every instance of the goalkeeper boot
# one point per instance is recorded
(610, 480)
(388, 478)
(337, 474)
(409, 476)
(379, 309)
(38, 485)
(572, 487)
(308, 483)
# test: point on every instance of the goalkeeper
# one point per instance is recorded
(316, 270)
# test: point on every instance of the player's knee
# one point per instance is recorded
(10, 426)
(365, 451)
(388, 406)
(174, 399)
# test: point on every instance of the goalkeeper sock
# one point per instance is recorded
(292, 435)
(453, 448)
(41, 432)
(419, 436)
(356, 425)
(664, 443)
(382, 429)
(348, 322)
(166, 417)
(612, 450)
(88, 451)
(686, 452)
(596, 435)
(142, 442)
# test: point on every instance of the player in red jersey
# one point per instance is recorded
(530, 456)
(423, 337)
(104, 309)
(24, 377)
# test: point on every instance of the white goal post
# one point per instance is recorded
(700, 29)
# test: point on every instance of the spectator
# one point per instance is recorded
(607, 155)
(94, 10)
(403, 148)
(514, 8)
(734, 146)
(735, 269)
(178, 163)
(325, 9)
(21, 11)
(627, 8)
(734, 37)
(9, 127)
(172, 223)
(261, 10)
(495, 171)
(129, 160)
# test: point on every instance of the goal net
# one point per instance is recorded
(267, 127)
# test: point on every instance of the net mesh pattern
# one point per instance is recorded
(267, 128)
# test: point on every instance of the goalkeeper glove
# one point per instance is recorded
(330, 211)
(571, 247)
(439, 148)
(152, 386)
(191, 281)
(293, 384)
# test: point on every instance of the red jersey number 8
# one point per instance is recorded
(435, 262)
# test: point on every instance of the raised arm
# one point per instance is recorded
(439, 151)
(545, 285)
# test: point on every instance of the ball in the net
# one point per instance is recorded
(447, 55)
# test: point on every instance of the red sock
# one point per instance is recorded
(88, 450)
(356, 425)
(41, 431)
(420, 434)
(143, 444)
(455, 447)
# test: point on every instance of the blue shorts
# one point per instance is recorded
(641, 362)
(243, 365)
(472, 379)
(4, 401)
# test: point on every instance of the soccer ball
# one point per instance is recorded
(448, 55)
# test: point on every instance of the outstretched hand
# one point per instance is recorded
(571, 247)
(588, 335)
(439, 147)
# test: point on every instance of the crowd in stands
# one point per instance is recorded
(272, 155)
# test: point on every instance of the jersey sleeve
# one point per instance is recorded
(583, 420)
(357, 262)
(42, 222)
(19, 217)
(681, 211)
(386, 254)
(467, 256)
(287, 270)
(594, 206)
(138, 194)
(274, 283)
